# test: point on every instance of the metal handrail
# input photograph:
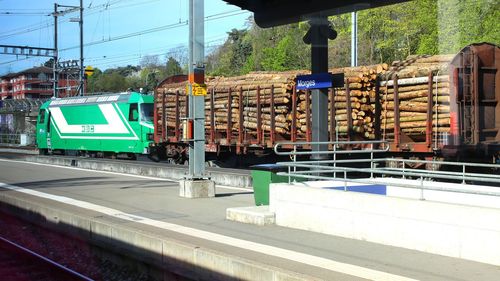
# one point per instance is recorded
(328, 169)
(441, 162)
(335, 150)
(384, 171)
(335, 144)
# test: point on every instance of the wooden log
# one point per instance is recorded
(422, 130)
(278, 109)
(390, 114)
(343, 117)
(438, 99)
(416, 94)
(415, 124)
(415, 81)
(253, 125)
(416, 107)
(415, 118)
(416, 87)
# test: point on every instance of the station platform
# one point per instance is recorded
(144, 216)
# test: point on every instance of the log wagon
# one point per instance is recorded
(426, 106)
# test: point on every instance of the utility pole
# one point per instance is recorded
(196, 185)
(81, 50)
(56, 14)
(55, 71)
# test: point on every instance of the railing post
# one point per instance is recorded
(422, 188)
(463, 173)
(345, 180)
(335, 160)
(371, 161)
(404, 165)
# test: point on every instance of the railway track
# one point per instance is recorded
(19, 263)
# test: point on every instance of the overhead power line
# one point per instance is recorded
(88, 12)
(22, 14)
(157, 29)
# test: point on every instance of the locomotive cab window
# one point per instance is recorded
(147, 112)
(133, 114)
(42, 116)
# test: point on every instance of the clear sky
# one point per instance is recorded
(148, 27)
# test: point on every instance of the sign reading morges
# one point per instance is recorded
(319, 81)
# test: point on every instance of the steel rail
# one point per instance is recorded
(70, 273)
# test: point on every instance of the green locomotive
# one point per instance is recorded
(96, 126)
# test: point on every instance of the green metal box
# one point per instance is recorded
(262, 176)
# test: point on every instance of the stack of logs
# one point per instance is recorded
(224, 95)
(413, 89)
(361, 83)
(281, 85)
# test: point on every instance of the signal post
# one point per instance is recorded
(196, 184)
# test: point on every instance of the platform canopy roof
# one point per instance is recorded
(268, 13)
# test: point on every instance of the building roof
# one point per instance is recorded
(36, 70)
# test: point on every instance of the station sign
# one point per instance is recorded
(320, 81)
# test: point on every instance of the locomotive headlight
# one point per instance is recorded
(150, 136)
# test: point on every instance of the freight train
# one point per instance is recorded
(445, 107)
(98, 126)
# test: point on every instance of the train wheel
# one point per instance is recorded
(43, 151)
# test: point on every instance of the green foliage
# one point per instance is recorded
(231, 57)
(385, 34)
(465, 22)
(173, 67)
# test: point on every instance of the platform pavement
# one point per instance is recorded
(147, 214)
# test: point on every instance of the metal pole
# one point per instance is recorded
(354, 39)
(197, 75)
(55, 73)
(190, 93)
(81, 49)
(319, 64)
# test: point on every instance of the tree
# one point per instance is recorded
(173, 67)
(150, 61)
(180, 54)
(232, 56)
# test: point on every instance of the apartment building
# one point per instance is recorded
(35, 83)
